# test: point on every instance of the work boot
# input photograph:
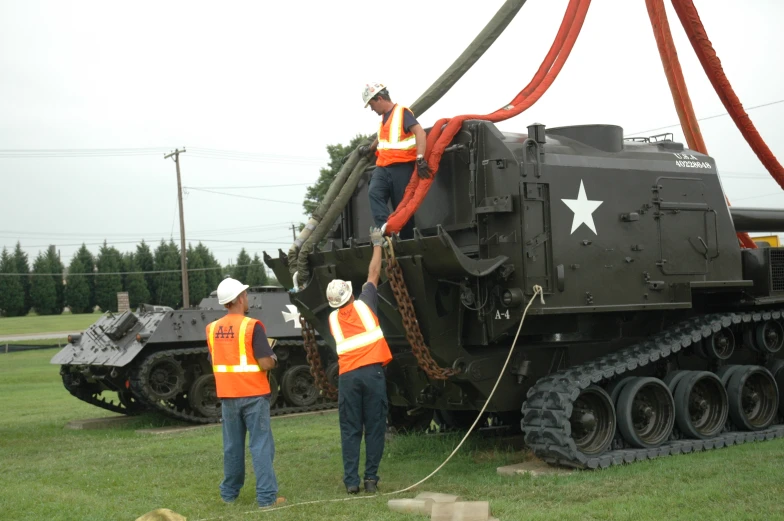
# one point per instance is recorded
(370, 486)
(353, 489)
(278, 502)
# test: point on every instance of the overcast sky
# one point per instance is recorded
(276, 82)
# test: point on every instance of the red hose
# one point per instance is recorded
(444, 130)
(698, 37)
(712, 65)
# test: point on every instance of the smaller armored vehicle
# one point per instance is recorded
(156, 359)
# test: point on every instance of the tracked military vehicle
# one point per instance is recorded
(156, 359)
(657, 334)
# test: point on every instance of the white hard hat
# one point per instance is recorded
(229, 289)
(370, 90)
(338, 292)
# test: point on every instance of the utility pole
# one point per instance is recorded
(294, 231)
(183, 262)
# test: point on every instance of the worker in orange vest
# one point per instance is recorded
(400, 144)
(362, 354)
(241, 355)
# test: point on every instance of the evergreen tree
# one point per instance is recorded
(273, 281)
(257, 275)
(12, 297)
(56, 268)
(23, 266)
(197, 277)
(87, 261)
(168, 286)
(42, 288)
(107, 282)
(146, 263)
(135, 284)
(240, 271)
(315, 194)
(212, 276)
(77, 291)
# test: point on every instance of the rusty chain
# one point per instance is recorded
(314, 360)
(410, 323)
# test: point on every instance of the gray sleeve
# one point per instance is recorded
(369, 296)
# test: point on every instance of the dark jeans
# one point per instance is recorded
(362, 402)
(389, 182)
(252, 415)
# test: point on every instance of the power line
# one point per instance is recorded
(246, 196)
(229, 158)
(210, 153)
(210, 231)
(214, 153)
(705, 118)
(243, 187)
(98, 274)
(79, 152)
(756, 197)
(137, 242)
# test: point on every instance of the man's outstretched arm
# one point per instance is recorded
(374, 271)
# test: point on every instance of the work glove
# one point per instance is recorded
(423, 170)
(376, 236)
(363, 150)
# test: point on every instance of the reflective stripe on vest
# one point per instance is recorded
(372, 332)
(394, 139)
(244, 366)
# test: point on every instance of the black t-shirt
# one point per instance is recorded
(408, 119)
(369, 296)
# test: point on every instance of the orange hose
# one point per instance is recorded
(680, 94)
(672, 69)
(444, 130)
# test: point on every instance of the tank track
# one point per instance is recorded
(180, 412)
(549, 402)
(94, 398)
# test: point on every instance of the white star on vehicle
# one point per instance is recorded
(582, 208)
(293, 315)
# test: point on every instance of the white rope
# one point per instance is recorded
(537, 291)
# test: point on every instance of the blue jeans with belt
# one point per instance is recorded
(389, 182)
(251, 415)
(362, 404)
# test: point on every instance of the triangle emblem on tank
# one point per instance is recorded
(292, 315)
(583, 209)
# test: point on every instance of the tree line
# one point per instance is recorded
(94, 280)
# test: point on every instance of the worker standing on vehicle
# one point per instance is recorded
(241, 355)
(362, 389)
(399, 145)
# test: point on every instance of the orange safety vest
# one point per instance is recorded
(237, 375)
(395, 145)
(358, 337)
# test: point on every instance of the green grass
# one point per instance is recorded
(46, 323)
(56, 474)
(38, 342)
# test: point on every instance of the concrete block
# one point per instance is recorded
(461, 511)
(98, 423)
(437, 497)
(411, 506)
(534, 467)
(175, 429)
